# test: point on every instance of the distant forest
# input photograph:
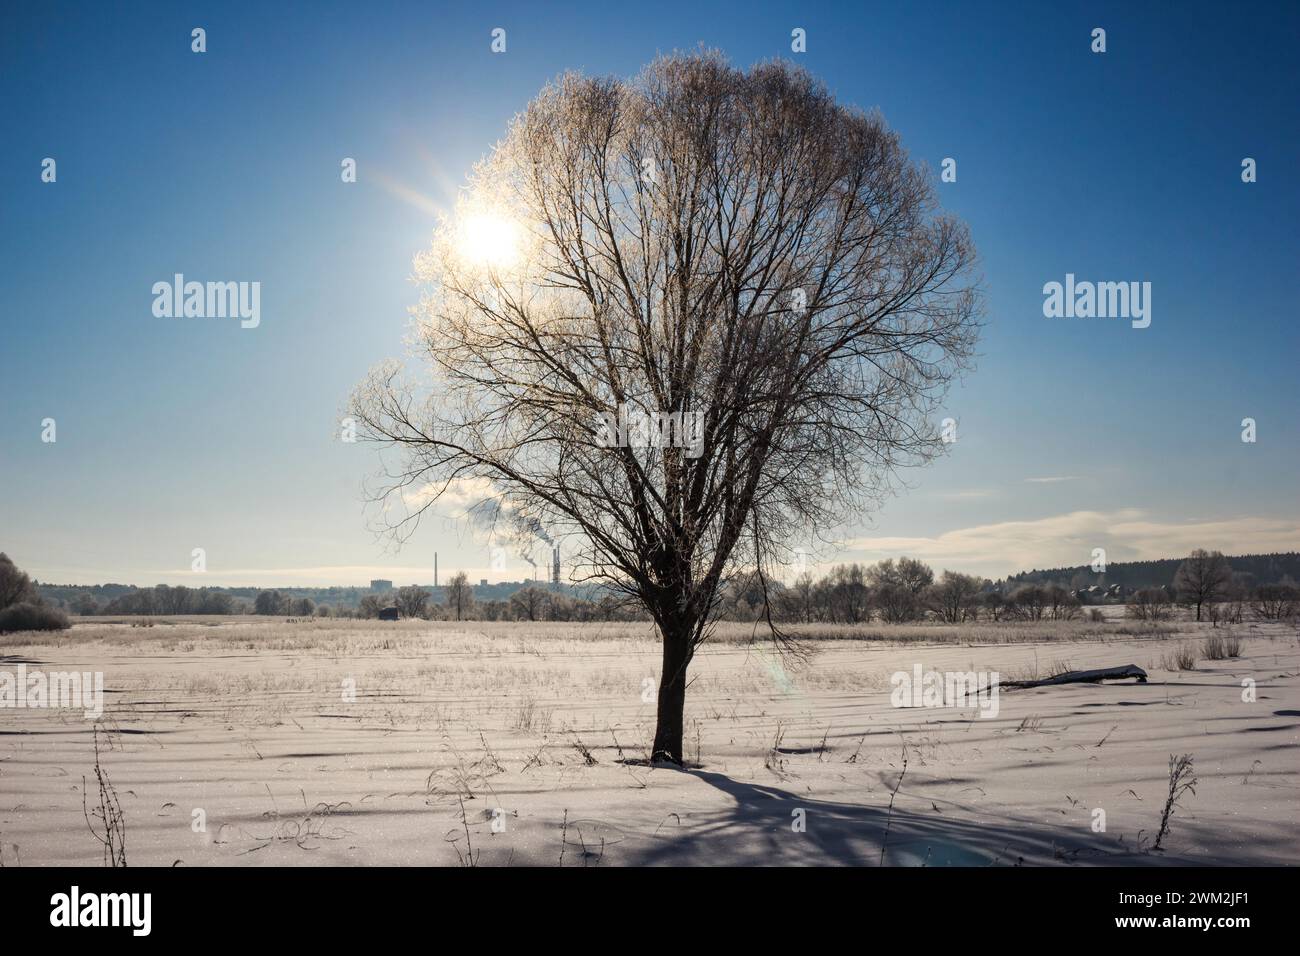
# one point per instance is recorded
(527, 599)
(1251, 570)
(130, 599)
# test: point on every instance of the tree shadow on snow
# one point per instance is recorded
(760, 830)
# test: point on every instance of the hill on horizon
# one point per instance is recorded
(1253, 569)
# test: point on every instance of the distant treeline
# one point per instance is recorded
(124, 599)
(165, 599)
(890, 591)
(458, 603)
(1205, 583)
(458, 600)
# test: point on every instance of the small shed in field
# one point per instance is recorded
(388, 614)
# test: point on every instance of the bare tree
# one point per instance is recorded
(529, 602)
(1059, 603)
(728, 252)
(1276, 602)
(271, 602)
(994, 604)
(899, 588)
(460, 595)
(1026, 603)
(412, 601)
(1149, 604)
(15, 585)
(1202, 578)
(800, 603)
(847, 595)
(956, 597)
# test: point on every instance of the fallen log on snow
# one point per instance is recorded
(1081, 677)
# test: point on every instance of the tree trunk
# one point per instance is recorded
(670, 719)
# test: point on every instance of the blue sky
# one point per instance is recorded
(174, 434)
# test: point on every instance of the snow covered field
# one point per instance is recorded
(353, 742)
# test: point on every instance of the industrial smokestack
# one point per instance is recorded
(555, 566)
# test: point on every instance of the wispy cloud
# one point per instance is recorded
(322, 576)
(1066, 540)
(1053, 479)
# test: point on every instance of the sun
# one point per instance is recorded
(489, 240)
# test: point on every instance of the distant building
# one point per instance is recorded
(379, 584)
(482, 582)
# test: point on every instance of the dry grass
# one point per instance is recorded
(351, 637)
(106, 821)
(979, 632)
(1182, 781)
(1182, 658)
(532, 719)
(1219, 647)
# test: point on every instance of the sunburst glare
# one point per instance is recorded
(490, 240)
